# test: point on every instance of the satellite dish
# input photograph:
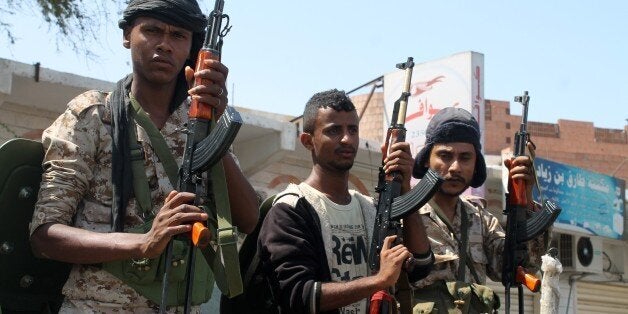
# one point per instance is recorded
(585, 251)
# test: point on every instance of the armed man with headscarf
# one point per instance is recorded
(87, 212)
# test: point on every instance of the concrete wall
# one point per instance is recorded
(31, 97)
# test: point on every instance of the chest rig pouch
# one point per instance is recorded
(145, 275)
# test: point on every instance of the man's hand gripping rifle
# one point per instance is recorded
(392, 206)
(202, 173)
(519, 228)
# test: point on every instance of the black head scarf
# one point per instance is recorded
(181, 13)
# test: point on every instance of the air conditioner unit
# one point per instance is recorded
(579, 253)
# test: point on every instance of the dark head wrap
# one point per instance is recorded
(181, 13)
(451, 125)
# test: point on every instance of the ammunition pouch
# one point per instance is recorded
(455, 297)
(145, 275)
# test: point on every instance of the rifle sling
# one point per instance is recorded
(405, 294)
(157, 141)
(462, 244)
(224, 261)
(227, 276)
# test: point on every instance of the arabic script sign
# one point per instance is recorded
(592, 203)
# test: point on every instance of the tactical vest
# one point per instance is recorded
(145, 275)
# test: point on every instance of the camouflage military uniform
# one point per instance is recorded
(486, 244)
(76, 190)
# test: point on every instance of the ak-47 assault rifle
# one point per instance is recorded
(520, 229)
(392, 206)
(202, 173)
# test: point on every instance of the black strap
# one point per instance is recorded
(121, 177)
(462, 244)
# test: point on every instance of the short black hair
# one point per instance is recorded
(336, 99)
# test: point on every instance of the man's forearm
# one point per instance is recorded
(338, 294)
(73, 245)
(414, 235)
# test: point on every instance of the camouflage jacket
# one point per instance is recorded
(485, 243)
(76, 190)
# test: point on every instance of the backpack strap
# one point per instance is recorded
(250, 243)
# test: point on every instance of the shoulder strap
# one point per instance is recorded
(249, 247)
(224, 261)
(462, 243)
(157, 141)
(140, 182)
(248, 251)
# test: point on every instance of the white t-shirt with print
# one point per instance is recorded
(349, 253)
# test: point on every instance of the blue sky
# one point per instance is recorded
(572, 56)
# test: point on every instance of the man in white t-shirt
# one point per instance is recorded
(314, 242)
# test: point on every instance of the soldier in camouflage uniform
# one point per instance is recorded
(73, 220)
(453, 149)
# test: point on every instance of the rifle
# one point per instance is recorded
(520, 229)
(391, 206)
(202, 173)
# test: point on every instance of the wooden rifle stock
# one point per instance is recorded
(530, 281)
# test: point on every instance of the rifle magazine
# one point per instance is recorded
(539, 222)
(213, 147)
(418, 196)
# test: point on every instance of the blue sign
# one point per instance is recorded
(591, 202)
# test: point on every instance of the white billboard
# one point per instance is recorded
(454, 81)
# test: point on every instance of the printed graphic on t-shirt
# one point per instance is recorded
(349, 248)
(349, 259)
(348, 251)
(349, 245)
